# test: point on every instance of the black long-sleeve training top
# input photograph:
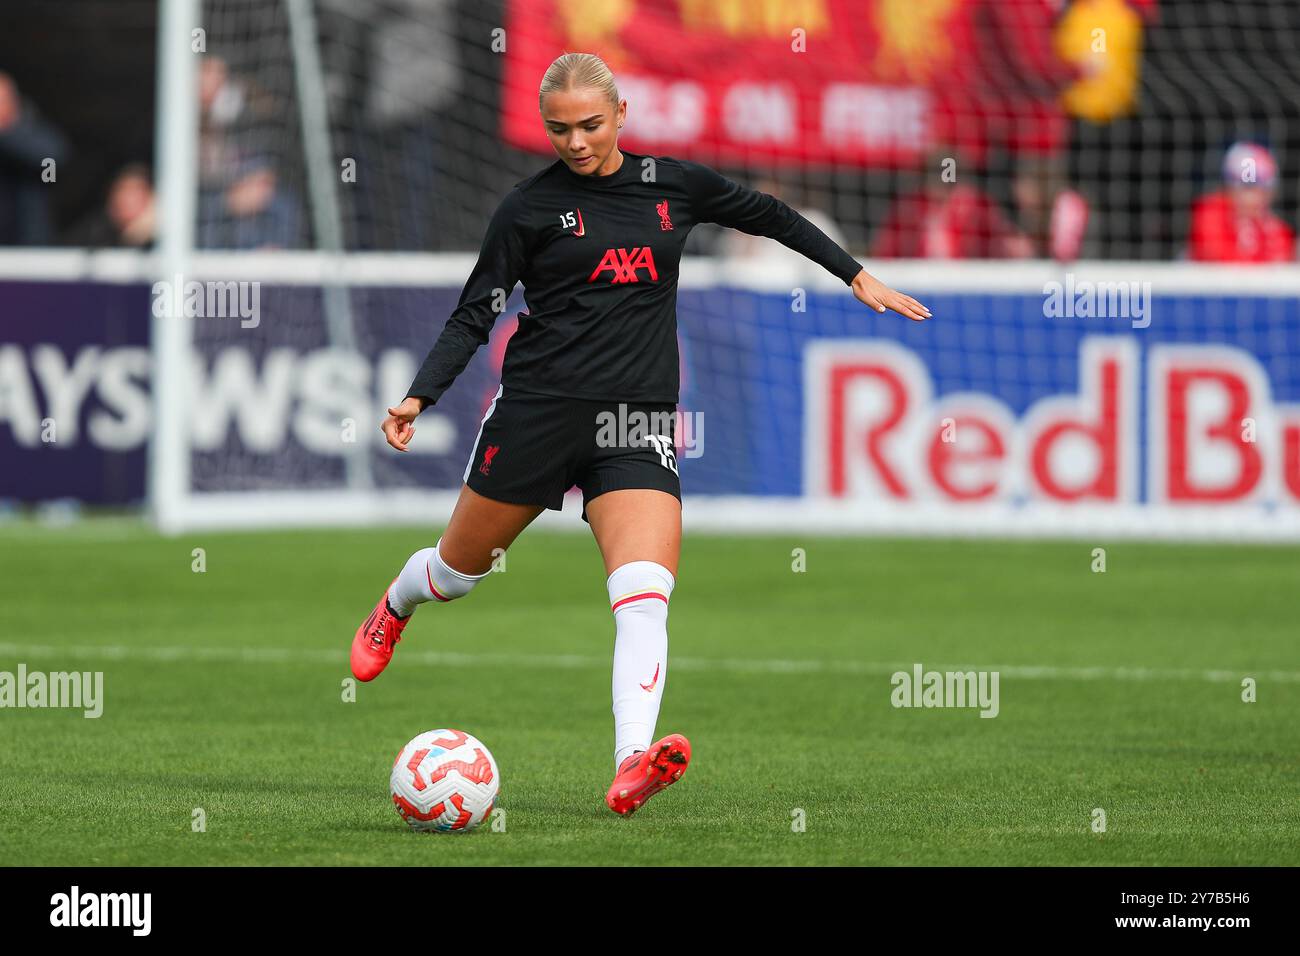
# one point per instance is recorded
(598, 257)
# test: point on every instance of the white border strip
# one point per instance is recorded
(438, 270)
(766, 515)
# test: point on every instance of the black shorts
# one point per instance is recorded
(533, 448)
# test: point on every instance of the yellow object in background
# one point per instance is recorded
(1104, 39)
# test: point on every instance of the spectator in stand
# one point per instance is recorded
(127, 219)
(243, 204)
(1052, 215)
(26, 142)
(1237, 224)
(948, 218)
(252, 212)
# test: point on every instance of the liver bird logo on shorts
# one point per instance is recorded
(489, 453)
(665, 223)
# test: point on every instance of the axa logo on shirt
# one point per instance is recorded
(1213, 434)
(624, 265)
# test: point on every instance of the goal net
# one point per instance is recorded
(1033, 171)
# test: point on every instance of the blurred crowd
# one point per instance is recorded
(998, 183)
(1039, 78)
(242, 202)
(1044, 72)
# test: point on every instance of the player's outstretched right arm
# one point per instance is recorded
(718, 199)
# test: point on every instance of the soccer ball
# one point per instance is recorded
(444, 780)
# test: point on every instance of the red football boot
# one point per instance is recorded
(376, 640)
(646, 772)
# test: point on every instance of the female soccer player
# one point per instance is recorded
(596, 239)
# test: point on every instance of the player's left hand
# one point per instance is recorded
(871, 291)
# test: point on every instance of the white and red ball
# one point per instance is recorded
(444, 780)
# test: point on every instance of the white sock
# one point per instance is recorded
(426, 577)
(638, 596)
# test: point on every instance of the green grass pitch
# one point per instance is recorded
(223, 691)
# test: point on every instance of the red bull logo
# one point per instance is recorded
(1205, 433)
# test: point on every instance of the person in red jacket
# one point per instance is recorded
(1237, 223)
(959, 222)
(948, 217)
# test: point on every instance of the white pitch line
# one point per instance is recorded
(283, 655)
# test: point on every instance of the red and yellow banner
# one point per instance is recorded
(807, 81)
